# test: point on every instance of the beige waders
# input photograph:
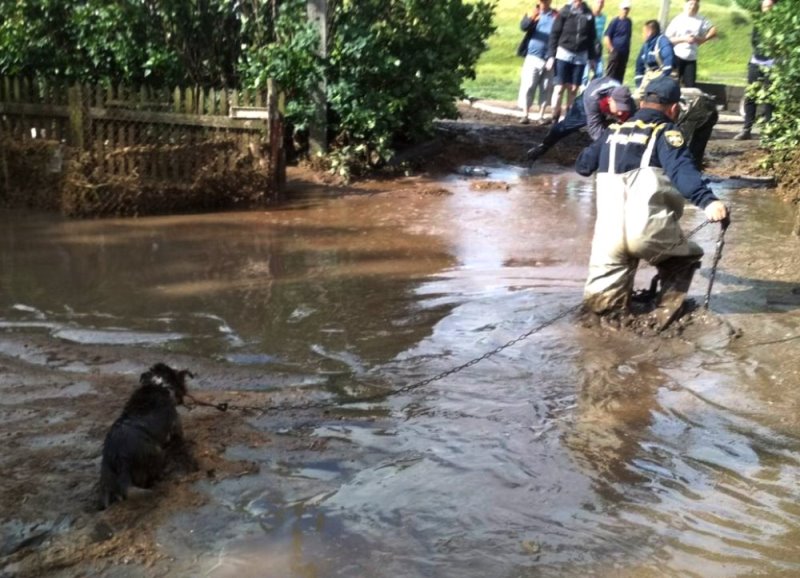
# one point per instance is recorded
(637, 218)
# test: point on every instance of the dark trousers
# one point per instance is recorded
(687, 72)
(574, 121)
(615, 68)
(755, 73)
(697, 145)
(696, 124)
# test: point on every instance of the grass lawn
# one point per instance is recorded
(723, 59)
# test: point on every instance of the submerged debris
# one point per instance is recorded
(473, 172)
(489, 185)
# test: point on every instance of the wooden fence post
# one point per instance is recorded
(318, 131)
(78, 118)
(277, 154)
(6, 191)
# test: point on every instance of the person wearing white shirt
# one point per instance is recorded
(687, 31)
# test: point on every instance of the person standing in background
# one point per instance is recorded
(572, 45)
(687, 31)
(757, 71)
(600, 26)
(655, 57)
(535, 77)
(617, 40)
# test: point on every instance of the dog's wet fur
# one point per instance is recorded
(145, 436)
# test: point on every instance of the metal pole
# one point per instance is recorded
(717, 257)
(663, 17)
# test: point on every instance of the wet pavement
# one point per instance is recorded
(577, 451)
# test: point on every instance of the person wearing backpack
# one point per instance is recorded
(571, 47)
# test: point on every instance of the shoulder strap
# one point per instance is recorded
(612, 151)
(651, 146)
(657, 51)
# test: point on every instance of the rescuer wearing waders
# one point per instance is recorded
(644, 173)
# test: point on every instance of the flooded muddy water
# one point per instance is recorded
(576, 452)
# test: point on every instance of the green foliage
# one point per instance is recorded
(395, 65)
(135, 41)
(780, 34)
(392, 66)
(286, 51)
(749, 5)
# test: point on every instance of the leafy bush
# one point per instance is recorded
(160, 42)
(395, 65)
(780, 32)
(286, 51)
(392, 66)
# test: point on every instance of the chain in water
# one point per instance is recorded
(438, 376)
(410, 386)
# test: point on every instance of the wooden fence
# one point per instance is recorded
(156, 136)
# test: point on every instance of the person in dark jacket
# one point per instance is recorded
(644, 173)
(617, 40)
(605, 101)
(571, 47)
(757, 72)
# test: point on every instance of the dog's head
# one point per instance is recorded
(163, 375)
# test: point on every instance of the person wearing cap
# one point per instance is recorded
(618, 42)
(604, 102)
(644, 175)
(687, 31)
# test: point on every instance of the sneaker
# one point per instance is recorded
(743, 135)
(524, 120)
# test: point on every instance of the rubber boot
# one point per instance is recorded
(534, 153)
(676, 277)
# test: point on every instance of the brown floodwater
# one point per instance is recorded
(576, 452)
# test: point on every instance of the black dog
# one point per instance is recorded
(137, 445)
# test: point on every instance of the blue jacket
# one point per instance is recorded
(670, 153)
(537, 45)
(656, 53)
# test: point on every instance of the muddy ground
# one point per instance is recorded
(54, 413)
